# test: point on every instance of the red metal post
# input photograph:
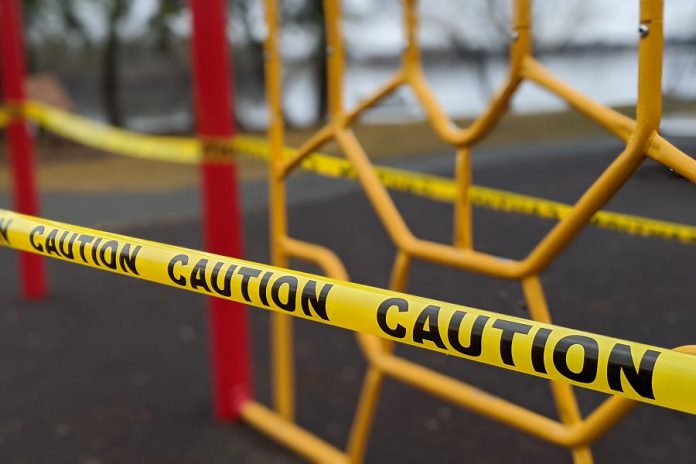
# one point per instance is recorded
(19, 141)
(223, 224)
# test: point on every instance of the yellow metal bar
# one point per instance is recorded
(538, 309)
(521, 40)
(372, 384)
(411, 56)
(282, 353)
(463, 233)
(576, 436)
(472, 398)
(317, 139)
(291, 435)
(591, 201)
(365, 414)
(650, 46)
(438, 119)
(563, 395)
(380, 199)
(384, 90)
(667, 154)
(470, 260)
(648, 120)
(330, 264)
(336, 56)
(618, 124)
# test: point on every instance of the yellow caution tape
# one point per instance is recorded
(632, 370)
(111, 139)
(189, 150)
(4, 116)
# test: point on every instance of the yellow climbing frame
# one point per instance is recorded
(640, 136)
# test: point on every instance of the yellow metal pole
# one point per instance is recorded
(372, 384)
(391, 219)
(282, 355)
(463, 233)
(291, 435)
(411, 57)
(650, 46)
(563, 395)
(335, 59)
(365, 414)
(521, 35)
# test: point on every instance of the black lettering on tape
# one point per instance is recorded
(538, 350)
(590, 347)
(65, 246)
(309, 299)
(640, 379)
(401, 305)
(291, 282)
(4, 229)
(108, 253)
(198, 276)
(127, 260)
(38, 230)
(51, 247)
(426, 327)
(95, 248)
(226, 288)
(84, 240)
(455, 327)
(247, 273)
(178, 259)
(263, 286)
(510, 329)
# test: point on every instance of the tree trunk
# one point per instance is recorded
(110, 67)
(322, 74)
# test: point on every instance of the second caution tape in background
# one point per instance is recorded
(188, 151)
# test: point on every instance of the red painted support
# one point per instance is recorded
(223, 224)
(19, 141)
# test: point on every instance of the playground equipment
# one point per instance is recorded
(619, 367)
(20, 143)
(641, 139)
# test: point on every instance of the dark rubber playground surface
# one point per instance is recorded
(114, 370)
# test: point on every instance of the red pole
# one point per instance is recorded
(223, 224)
(19, 141)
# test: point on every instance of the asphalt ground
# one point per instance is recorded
(113, 370)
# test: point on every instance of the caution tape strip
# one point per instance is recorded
(189, 151)
(632, 370)
(111, 139)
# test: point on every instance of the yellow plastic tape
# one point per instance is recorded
(4, 116)
(632, 370)
(188, 150)
(111, 139)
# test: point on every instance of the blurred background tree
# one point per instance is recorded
(46, 17)
(98, 48)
